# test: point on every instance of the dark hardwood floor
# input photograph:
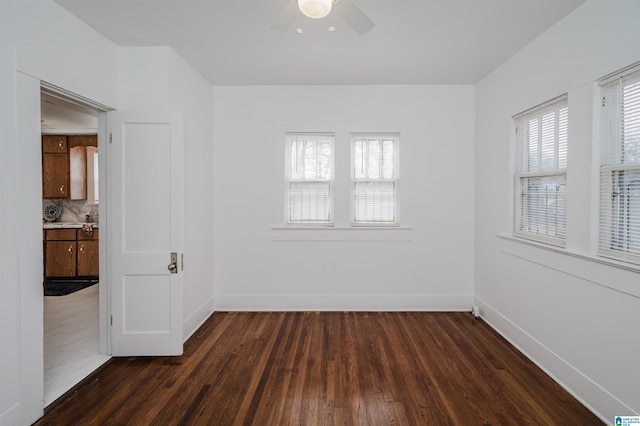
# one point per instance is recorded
(328, 368)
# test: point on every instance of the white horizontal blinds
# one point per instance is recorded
(310, 178)
(541, 184)
(619, 225)
(375, 174)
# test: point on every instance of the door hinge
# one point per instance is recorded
(111, 319)
(182, 262)
(110, 137)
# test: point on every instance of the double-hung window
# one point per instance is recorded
(375, 179)
(541, 173)
(309, 179)
(619, 224)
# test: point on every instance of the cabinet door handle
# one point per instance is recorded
(61, 188)
(61, 146)
(81, 249)
(70, 250)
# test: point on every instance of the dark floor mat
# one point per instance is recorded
(62, 288)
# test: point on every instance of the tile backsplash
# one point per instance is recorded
(74, 210)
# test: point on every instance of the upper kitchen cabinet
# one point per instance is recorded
(83, 140)
(65, 164)
(54, 144)
(55, 167)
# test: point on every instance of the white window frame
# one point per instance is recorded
(395, 180)
(289, 181)
(524, 224)
(617, 226)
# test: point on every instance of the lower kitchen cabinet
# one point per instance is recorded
(60, 259)
(88, 265)
(70, 254)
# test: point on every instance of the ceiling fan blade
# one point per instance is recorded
(355, 17)
(287, 17)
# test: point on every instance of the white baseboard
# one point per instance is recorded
(343, 302)
(11, 417)
(197, 318)
(589, 393)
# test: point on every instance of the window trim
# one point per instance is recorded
(289, 138)
(519, 132)
(607, 168)
(396, 180)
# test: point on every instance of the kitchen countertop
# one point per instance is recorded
(67, 225)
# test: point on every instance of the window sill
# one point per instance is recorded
(342, 233)
(538, 240)
(620, 276)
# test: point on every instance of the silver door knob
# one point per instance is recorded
(173, 266)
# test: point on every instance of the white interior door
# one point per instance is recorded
(146, 156)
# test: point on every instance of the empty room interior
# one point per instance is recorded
(322, 211)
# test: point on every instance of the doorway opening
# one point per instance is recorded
(74, 251)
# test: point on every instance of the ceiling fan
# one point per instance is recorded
(346, 9)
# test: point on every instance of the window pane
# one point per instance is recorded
(563, 133)
(374, 159)
(631, 123)
(309, 202)
(375, 202)
(543, 206)
(311, 159)
(625, 212)
(533, 162)
(548, 141)
(545, 145)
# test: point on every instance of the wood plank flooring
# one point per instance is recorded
(327, 368)
(71, 340)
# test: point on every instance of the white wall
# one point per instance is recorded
(79, 60)
(424, 266)
(72, 56)
(155, 78)
(9, 313)
(190, 93)
(576, 318)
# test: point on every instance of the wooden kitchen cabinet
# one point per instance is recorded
(83, 140)
(88, 264)
(54, 144)
(55, 167)
(55, 176)
(71, 254)
(64, 165)
(60, 253)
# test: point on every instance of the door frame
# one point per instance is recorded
(103, 242)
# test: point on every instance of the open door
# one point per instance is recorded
(146, 211)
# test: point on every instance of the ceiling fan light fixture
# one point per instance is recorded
(315, 8)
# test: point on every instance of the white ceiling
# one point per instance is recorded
(59, 116)
(414, 41)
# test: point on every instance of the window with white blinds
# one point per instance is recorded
(310, 159)
(619, 224)
(375, 179)
(541, 173)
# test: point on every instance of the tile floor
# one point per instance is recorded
(71, 341)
